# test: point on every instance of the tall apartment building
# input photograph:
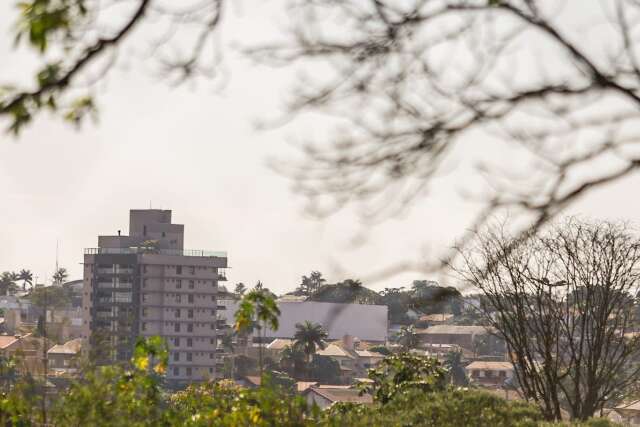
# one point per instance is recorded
(146, 284)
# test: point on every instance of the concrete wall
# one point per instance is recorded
(367, 322)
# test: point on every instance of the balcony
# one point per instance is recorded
(141, 250)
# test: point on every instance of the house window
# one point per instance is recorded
(189, 342)
(176, 341)
(190, 327)
(176, 357)
(191, 284)
(190, 314)
(177, 313)
(189, 371)
(190, 298)
(189, 357)
(178, 269)
(177, 327)
(176, 371)
(178, 284)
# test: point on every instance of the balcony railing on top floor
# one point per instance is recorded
(173, 252)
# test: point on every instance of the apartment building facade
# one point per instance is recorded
(145, 284)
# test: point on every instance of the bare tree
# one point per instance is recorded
(563, 301)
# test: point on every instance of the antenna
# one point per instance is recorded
(56, 256)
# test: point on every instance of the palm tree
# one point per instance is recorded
(308, 337)
(27, 278)
(408, 337)
(257, 306)
(316, 280)
(7, 283)
(60, 276)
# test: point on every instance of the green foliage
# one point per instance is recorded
(8, 283)
(347, 291)
(42, 20)
(457, 373)
(256, 306)
(401, 372)
(325, 370)
(452, 408)
(224, 404)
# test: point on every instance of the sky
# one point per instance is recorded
(196, 150)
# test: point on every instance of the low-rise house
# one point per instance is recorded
(436, 319)
(366, 360)
(629, 413)
(345, 359)
(490, 373)
(478, 339)
(324, 397)
(64, 357)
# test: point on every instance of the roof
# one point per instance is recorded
(252, 379)
(70, 347)
(495, 366)
(454, 329)
(438, 317)
(633, 406)
(333, 350)
(7, 340)
(367, 353)
(302, 386)
(279, 344)
(341, 395)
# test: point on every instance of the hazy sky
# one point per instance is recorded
(197, 152)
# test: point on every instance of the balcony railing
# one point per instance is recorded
(140, 250)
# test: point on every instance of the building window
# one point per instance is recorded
(193, 270)
(213, 312)
(176, 341)
(177, 327)
(177, 313)
(189, 342)
(190, 298)
(144, 230)
(211, 370)
(213, 298)
(176, 357)
(164, 234)
(191, 283)
(213, 326)
(211, 341)
(189, 371)
(178, 298)
(190, 327)
(190, 314)
(178, 269)
(144, 326)
(178, 284)
(189, 357)
(176, 371)
(210, 355)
